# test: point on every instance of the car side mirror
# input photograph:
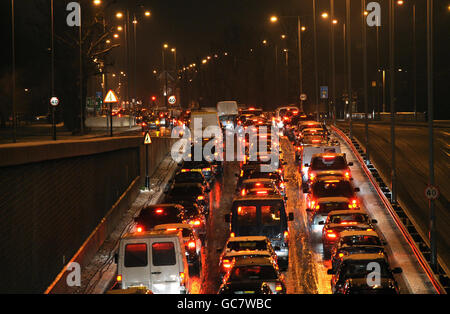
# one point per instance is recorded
(321, 223)
(116, 258)
(357, 190)
(291, 217)
(374, 221)
(227, 218)
(331, 272)
(397, 270)
(350, 163)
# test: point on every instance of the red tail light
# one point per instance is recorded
(261, 192)
(286, 236)
(191, 245)
(243, 192)
(331, 234)
(195, 222)
(159, 211)
(119, 278)
(139, 229)
(279, 287)
(182, 279)
(226, 263)
(200, 198)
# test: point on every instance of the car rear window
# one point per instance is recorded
(247, 245)
(136, 255)
(163, 254)
(253, 273)
(328, 163)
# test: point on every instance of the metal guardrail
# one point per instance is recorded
(418, 245)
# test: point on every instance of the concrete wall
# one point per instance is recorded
(59, 196)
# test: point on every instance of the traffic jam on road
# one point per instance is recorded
(297, 225)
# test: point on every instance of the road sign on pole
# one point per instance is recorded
(147, 139)
(432, 192)
(172, 100)
(111, 98)
(54, 101)
(324, 92)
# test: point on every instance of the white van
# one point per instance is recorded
(153, 259)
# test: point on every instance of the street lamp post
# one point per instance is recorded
(333, 63)
(365, 91)
(430, 63)
(300, 29)
(165, 46)
(349, 65)
(53, 66)
(392, 96)
(13, 46)
(316, 69)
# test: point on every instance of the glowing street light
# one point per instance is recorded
(324, 15)
(119, 15)
(273, 19)
(97, 2)
(147, 13)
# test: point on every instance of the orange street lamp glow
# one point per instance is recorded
(283, 36)
(204, 61)
(116, 35)
(147, 13)
(303, 28)
(264, 42)
(400, 2)
(166, 46)
(335, 21)
(119, 28)
(324, 15)
(119, 15)
(273, 19)
(97, 2)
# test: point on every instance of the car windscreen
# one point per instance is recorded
(333, 188)
(253, 272)
(328, 163)
(361, 240)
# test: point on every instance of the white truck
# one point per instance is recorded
(155, 260)
(227, 111)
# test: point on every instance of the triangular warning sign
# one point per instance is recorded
(147, 140)
(111, 97)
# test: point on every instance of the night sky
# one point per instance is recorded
(198, 28)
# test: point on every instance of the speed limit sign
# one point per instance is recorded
(54, 101)
(432, 192)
